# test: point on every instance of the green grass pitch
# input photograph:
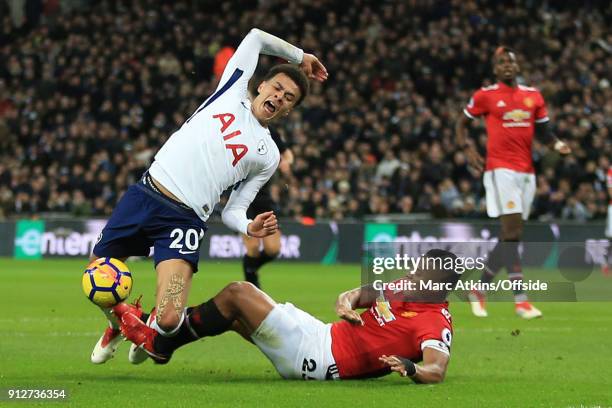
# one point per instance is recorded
(48, 328)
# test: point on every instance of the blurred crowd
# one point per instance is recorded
(88, 95)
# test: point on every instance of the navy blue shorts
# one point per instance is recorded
(145, 218)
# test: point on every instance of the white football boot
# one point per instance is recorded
(105, 348)
(477, 302)
(527, 311)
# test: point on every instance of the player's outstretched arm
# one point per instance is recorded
(433, 369)
(241, 67)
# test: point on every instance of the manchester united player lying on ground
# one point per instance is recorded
(395, 331)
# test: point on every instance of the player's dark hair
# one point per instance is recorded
(295, 74)
(502, 49)
(442, 274)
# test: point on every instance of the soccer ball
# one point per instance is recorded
(107, 281)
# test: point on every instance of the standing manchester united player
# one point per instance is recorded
(513, 113)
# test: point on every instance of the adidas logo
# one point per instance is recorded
(501, 104)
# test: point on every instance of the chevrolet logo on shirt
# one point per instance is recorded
(516, 118)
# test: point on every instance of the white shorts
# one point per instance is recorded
(297, 344)
(509, 192)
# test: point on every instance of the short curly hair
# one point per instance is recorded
(295, 74)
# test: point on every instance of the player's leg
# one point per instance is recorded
(271, 247)
(494, 262)
(255, 258)
(173, 284)
(250, 261)
(119, 239)
(513, 234)
(509, 195)
(108, 343)
(240, 306)
(174, 278)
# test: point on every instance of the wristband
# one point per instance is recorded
(410, 367)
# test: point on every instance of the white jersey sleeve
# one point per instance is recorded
(244, 61)
(234, 213)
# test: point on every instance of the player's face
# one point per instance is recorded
(505, 66)
(277, 96)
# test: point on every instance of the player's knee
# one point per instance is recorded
(272, 252)
(168, 321)
(252, 247)
(252, 251)
(272, 248)
(240, 290)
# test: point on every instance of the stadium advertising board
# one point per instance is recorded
(323, 242)
(296, 243)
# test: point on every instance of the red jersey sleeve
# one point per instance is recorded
(541, 112)
(436, 332)
(477, 105)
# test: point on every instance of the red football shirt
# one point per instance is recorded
(404, 330)
(510, 117)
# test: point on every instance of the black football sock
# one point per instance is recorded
(264, 258)
(250, 265)
(166, 345)
(204, 320)
(512, 261)
(494, 263)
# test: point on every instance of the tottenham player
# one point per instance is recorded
(255, 258)
(513, 113)
(396, 331)
(225, 143)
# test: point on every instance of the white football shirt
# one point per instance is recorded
(222, 144)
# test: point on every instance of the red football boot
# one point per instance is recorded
(142, 336)
(108, 343)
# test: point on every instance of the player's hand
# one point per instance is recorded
(348, 314)
(313, 68)
(263, 225)
(562, 148)
(474, 158)
(394, 363)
